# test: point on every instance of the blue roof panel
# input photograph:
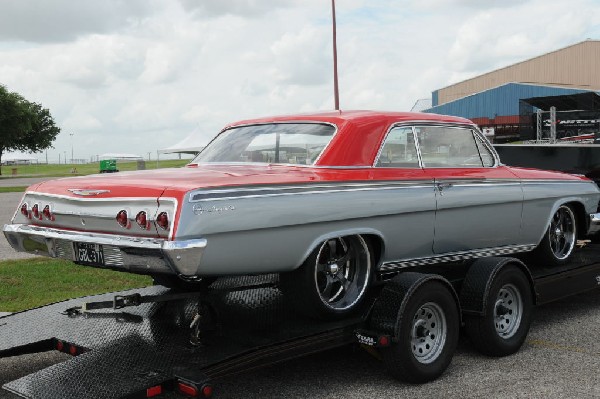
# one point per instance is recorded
(499, 101)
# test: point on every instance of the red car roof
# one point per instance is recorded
(359, 134)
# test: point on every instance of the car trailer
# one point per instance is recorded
(142, 343)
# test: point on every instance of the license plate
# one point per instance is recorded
(89, 254)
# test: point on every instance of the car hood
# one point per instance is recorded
(153, 183)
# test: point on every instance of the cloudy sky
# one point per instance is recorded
(135, 76)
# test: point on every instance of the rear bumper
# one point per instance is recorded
(594, 223)
(133, 254)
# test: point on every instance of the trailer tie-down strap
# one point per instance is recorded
(123, 301)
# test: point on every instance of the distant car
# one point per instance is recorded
(331, 201)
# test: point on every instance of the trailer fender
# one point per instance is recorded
(479, 278)
(388, 309)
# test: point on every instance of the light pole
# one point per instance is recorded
(336, 93)
(71, 134)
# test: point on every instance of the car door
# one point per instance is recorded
(409, 225)
(478, 202)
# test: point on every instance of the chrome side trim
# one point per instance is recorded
(275, 191)
(389, 267)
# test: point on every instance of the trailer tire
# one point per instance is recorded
(503, 328)
(427, 334)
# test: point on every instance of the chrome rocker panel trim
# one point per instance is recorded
(133, 254)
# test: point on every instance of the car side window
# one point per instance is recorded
(446, 147)
(486, 155)
(399, 150)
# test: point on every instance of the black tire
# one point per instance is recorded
(432, 301)
(558, 245)
(333, 280)
(508, 310)
(174, 282)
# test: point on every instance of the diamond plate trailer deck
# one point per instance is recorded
(128, 353)
(123, 353)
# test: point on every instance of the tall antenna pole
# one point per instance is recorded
(336, 93)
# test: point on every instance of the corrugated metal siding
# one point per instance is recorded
(575, 66)
(501, 101)
(434, 98)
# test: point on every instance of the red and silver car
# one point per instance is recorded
(330, 201)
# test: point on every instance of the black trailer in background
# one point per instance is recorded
(583, 159)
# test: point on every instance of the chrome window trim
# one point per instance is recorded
(385, 137)
(473, 130)
(486, 143)
(290, 122)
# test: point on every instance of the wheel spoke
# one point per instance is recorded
(322, 267)
(327, 291)
(332, 248)
(343, 281)
(344, 259)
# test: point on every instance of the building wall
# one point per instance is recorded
(575, 66)
(499, 101)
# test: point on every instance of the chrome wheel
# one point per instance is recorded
(561, 233)
(508, 311)
(342, 271)
(428, 334)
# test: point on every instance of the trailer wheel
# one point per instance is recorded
(426, 336)
(507, 315)
(334, 279)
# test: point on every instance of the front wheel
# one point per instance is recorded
(558, 244)
(333, 281)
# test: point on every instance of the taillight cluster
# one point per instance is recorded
(36, 213)
(141, 219)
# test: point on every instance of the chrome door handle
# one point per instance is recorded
(442, 186)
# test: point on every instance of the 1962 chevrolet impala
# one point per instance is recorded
(331, 201)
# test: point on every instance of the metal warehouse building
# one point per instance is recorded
(506, 99)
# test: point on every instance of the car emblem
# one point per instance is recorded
(87, 193)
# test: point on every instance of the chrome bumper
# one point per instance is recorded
(133, 254)
(594, 223)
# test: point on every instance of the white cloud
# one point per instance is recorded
(137, 76)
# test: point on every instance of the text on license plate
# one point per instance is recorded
(89, 254)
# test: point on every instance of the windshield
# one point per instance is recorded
(290, 143)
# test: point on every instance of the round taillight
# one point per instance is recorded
(162, 220)
(122, 218)
(142, 219)
(207, 391)
(35, 210)
(24, 210)
(47, 213)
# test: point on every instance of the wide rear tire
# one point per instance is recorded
(558, 245)
(333, 281)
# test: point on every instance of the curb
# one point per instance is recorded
(4, 314)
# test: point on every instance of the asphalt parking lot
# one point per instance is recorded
(560, 359)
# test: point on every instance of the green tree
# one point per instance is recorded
(24, 126)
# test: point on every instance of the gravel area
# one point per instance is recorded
(21, 181)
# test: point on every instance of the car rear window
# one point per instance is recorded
(286, 143)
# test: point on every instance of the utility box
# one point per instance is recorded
(108, 166)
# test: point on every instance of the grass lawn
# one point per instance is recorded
(62, 170)
(16, 189)
(29, 283)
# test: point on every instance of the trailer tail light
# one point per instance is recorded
(207, 391)
(122, 219)
(162, 220)
(142, 220)
(188, 389)
(60, 346)
(73, 350)
(25, 210)
(154, 391)
(35, 210)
